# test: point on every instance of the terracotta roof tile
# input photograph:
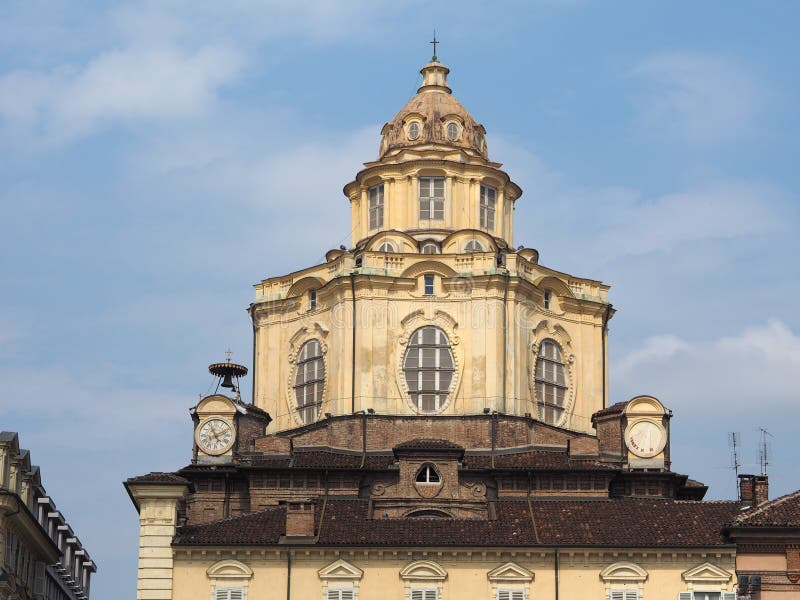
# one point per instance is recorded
(614, 409)
(158, 477)
(781, 512)
(260, 528)
(535, 459)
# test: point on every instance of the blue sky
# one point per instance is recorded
(159, 157)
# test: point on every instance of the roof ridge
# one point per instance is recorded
(766, 506)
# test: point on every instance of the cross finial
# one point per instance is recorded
(228, 354)
(434, 42)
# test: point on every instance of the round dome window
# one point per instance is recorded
(413, 130)
(452, 131)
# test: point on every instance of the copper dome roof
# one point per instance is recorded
(434, 117)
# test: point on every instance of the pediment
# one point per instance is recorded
(341, 569)
(423, 570)
(216, 404)
(229, 569)
(623, 571)
(706, 573)
(510, 572)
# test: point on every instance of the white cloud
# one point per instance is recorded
(701, 98)
(135, 83)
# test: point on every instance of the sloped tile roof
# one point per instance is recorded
(535, 459)
(781, 512)
(619, 523)
(158, 477)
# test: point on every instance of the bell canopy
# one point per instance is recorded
(433, 119)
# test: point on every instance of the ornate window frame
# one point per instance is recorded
(296, 343)
(624, 576)
(424, 574)
(510, 576)
(546, 330)
(409, 325)
(339, 575)
(707, 577)
(229, 573)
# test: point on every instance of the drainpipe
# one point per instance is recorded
(555, 549)
(353, 366)
(505, 340)
(603, 340)
(288, 574)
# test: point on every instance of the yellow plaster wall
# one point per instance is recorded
(579, 574)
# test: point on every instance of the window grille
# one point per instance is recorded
(473, 246)
(424, 594)
(229, 594)
(429, 368)
(413, 130)
(309, 381)
(452, 132)
(511, 595)
(488, 206)
(429, 280)
(376, 206)
(431, 198)
(551, 384)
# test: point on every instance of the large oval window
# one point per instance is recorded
(428, 367)
(309, 381)
(551, 382)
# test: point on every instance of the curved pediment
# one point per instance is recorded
(623, 572)
(429, 266)
(229, 569)
(301, 286)
(423, 570)
(645, 405)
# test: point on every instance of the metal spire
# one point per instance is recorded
(434, 42)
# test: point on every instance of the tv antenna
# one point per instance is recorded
(733, 443)
(763, 455)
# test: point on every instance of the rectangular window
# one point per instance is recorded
(431, 198)
(346, 594)
(229, 594)
(424, 595)
(376, 206)
(312, 299)
(624, 595)
(429, 285)
(511, 594)
(488, 206)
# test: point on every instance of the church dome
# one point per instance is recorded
(434, 118)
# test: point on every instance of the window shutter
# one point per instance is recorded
(632, 595)
(617, 595)
(346, 595)
(684, 595)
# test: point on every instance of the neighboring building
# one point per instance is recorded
(41, 558)
(439, 428)
(767, 542)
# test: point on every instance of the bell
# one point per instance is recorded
(227, 382)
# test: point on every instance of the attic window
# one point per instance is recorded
(386, 247)
(473, 246)
(547, 299)
(413, 130)
(429, 514)
(453, 131)
(428, 474)
(430, 248)
(312, 299)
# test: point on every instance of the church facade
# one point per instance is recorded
(430, 418)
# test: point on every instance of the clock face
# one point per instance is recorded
(215, 436)
(645, 439)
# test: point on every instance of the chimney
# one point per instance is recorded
(753, 490)
(299, 520)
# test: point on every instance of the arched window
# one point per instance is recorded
(386, 247)
(473, 246)
(430, 513)
(430, 248)
(551, 382)
(428, 474)
(309, 381)
(428, 366)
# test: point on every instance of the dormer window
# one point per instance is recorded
(488, 206)
(428, 474)
(431, 198)
(376, 206)
(387, 247)
(430, 248)
(413, 130)
(453, 131)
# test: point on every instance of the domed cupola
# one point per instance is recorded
(433, 118)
